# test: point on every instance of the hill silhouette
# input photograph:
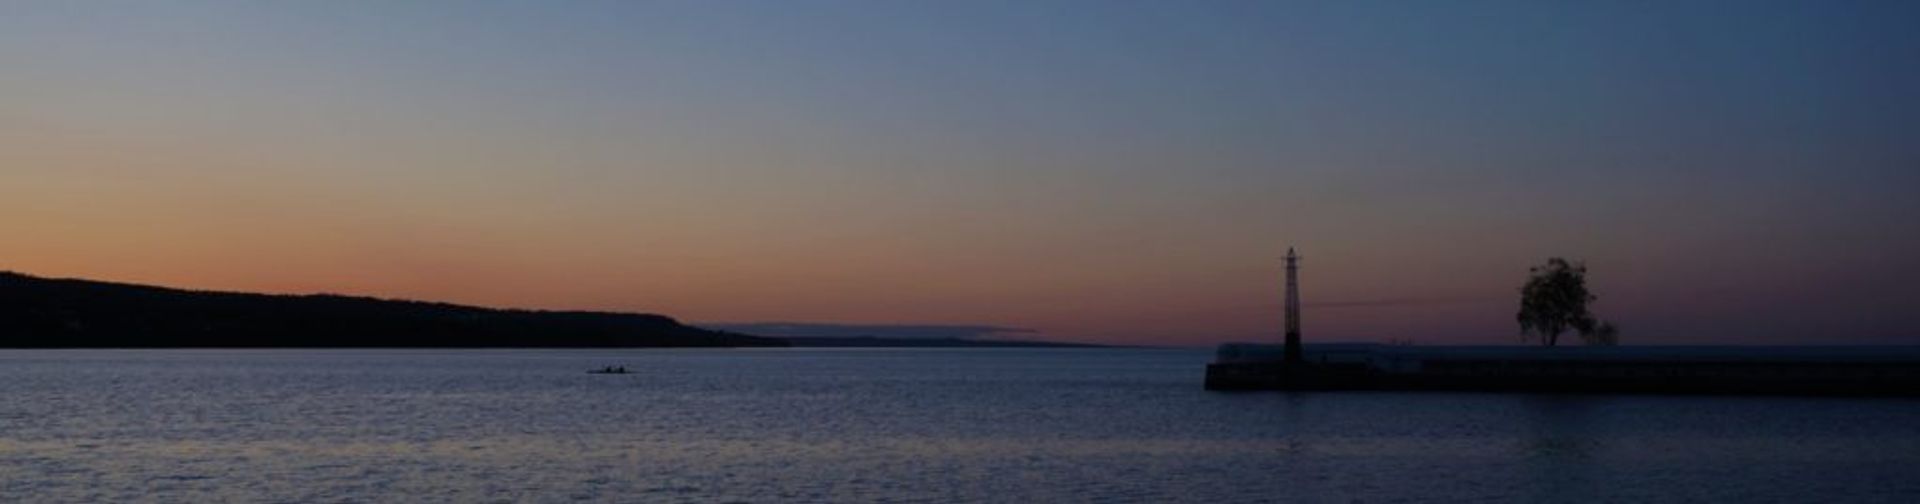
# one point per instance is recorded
(64, 313)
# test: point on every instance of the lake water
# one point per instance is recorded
(804, 425)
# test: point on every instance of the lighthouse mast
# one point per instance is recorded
(1293, 308)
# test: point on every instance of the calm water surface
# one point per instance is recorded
(882, 425)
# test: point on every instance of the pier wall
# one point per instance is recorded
(1838, 371)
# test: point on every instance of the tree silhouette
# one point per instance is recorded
(1555, 299)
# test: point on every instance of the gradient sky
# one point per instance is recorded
(1129, 172)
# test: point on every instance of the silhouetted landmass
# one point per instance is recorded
(60, 313)
(869, 341)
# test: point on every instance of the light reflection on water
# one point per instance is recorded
(896, 425)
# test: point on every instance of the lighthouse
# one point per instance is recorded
(1293, 308)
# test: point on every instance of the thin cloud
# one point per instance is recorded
(910, 331)
(1393, 303)
(1360, 304)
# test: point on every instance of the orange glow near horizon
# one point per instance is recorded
(1133, 180)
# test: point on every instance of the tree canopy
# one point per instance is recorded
(1555, 300)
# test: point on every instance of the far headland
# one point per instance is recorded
(38, 312)
(68, 313)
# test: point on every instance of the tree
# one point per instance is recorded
(1555, 299)
(1605, 334)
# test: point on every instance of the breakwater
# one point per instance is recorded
(1822, 371)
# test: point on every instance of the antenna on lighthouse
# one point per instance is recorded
(1293, 351)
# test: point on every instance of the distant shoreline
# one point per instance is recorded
(47, 313)
(75, 314)
(985, 346)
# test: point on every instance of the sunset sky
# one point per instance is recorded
(1102, 171)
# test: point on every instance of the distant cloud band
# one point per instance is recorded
(1388, 303)
(815, 329)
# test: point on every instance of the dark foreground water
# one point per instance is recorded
(882, 425)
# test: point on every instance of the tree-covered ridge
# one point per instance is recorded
(49, 313)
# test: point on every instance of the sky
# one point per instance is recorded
(1738, 172)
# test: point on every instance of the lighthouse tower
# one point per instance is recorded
(1293, 352)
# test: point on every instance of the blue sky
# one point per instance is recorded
(1094, 171)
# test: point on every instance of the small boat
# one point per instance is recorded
(609, 370)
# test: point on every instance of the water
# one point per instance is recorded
(882, 425)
